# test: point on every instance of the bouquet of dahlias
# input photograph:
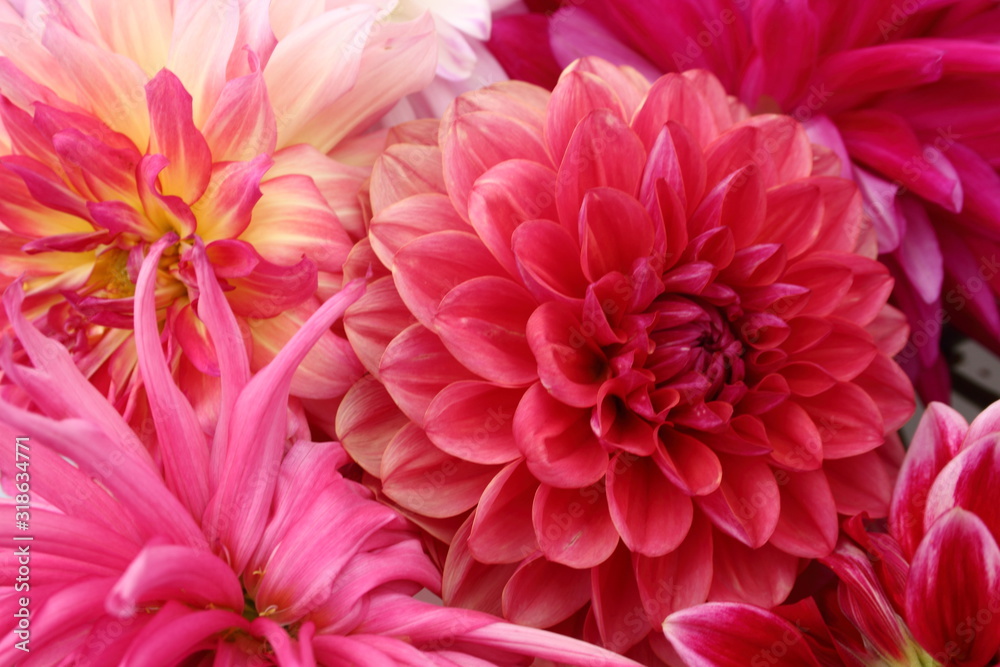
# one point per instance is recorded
(499, 332)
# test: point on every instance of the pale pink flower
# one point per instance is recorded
(639, 334)
(244, 546)
(126, 121)
(904, 91)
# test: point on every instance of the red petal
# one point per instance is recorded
(848, 420)
(615, 232)
(747, 504)
(571, 366)
(474, 421)
(652, 515)
(483, 323)
(422, 478)
(762, 577)
(548, 259)
(796, 441)
(416, 216)
(501, 526)
(367, 420)
(573, 526)
(542, 593)
(174, 135)
(557, 441)
(807, 526)
(688, 463)
(681, 578)
(617, 605)
(576, 95)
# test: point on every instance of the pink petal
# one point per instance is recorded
(174, 135)
(468, 583)
(674, 98)
(679, 579)
(557, 441)
(792, 433)
(200, 46)
(970, 481)
(731, 635)
(807, 526)
(242, 123)
(269, 289)
(572, 367)
(404, 170)
(177, 632)
(615, 232)
(688, 463)
(474, 421)
(548, 259)
(422, 478)
(542, 593)
(958, 553)
(483, 323)
(166, 212)
(617, 604)
(181, 441)
(233, 191)
(575, 96)
(366, 421)
(747, 504)
(501, 528)
(652, 515)
(853, 427)
(374, 320)
(864, 483)
(411, 218)
(762, 577)
(937, 440)
(573, 526)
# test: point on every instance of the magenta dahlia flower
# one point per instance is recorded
(123, 122)
(904, 91)
(639, 333)
(244, 546)
(927, 592)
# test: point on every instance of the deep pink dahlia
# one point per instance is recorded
(905, 91)
(640, 334)
(241, 547)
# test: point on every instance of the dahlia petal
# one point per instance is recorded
(109, 173)
(958, 551)
(181, 441)
(175, 136)
(880, 68)
(968, 481)
(864, 483)
(557, 441)
(603, 152)
(374, 320)
(673, 97)
(296, 92)
(886, 383)
(727, 635)
(501, 528)
(769, 73)
(796, 441)
(615, 231)
(475, 142)
(415, 216)
(738, 577)
(689, 464)
(545, 645)
(177, 632)
(506, 196)
(937, 440)
(679, 579)
(576, 95)
(573, 526)
(422, 478)
(404, 170)
(572, 367)
(473, 421)
(202, 41)
(853, 427)
(366, 421)
(576, 35)
(737, 203)
(120, 218)
(961, 266)
(468, 583)
(242, 124)
(881, 207)
(807, 379)
(166, 212)
(107, 81)
(46, 186)
(416, 367)
(871, 283)
(979, 185)
(794, 215)
(927, 273)
(269, 289)
(292, 219)
(886, 143)
(456, 258)
(541, 593)
(807, 526)
(233, 191)
(677, 160)
(175, 573)
(237, 513)
(625, 79)
(23, 214)
(412, 42)
(747, 503)
(617, 604)
(652, 515)
(548, 260)
(844, 353)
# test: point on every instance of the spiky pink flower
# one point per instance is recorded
(125, 122)
(636, 332)
(926, 593)
(904, 92)
(244, 546)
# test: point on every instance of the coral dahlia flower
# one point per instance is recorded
(905, 91)
(641, 335)
(243, 548)
(123, 122)
(926, 592)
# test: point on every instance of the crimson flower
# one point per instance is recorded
(638, 333)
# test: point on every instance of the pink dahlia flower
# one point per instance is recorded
(241, 547)
(638, 333)
(123, 122)
(903, 91)
(926, 593)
